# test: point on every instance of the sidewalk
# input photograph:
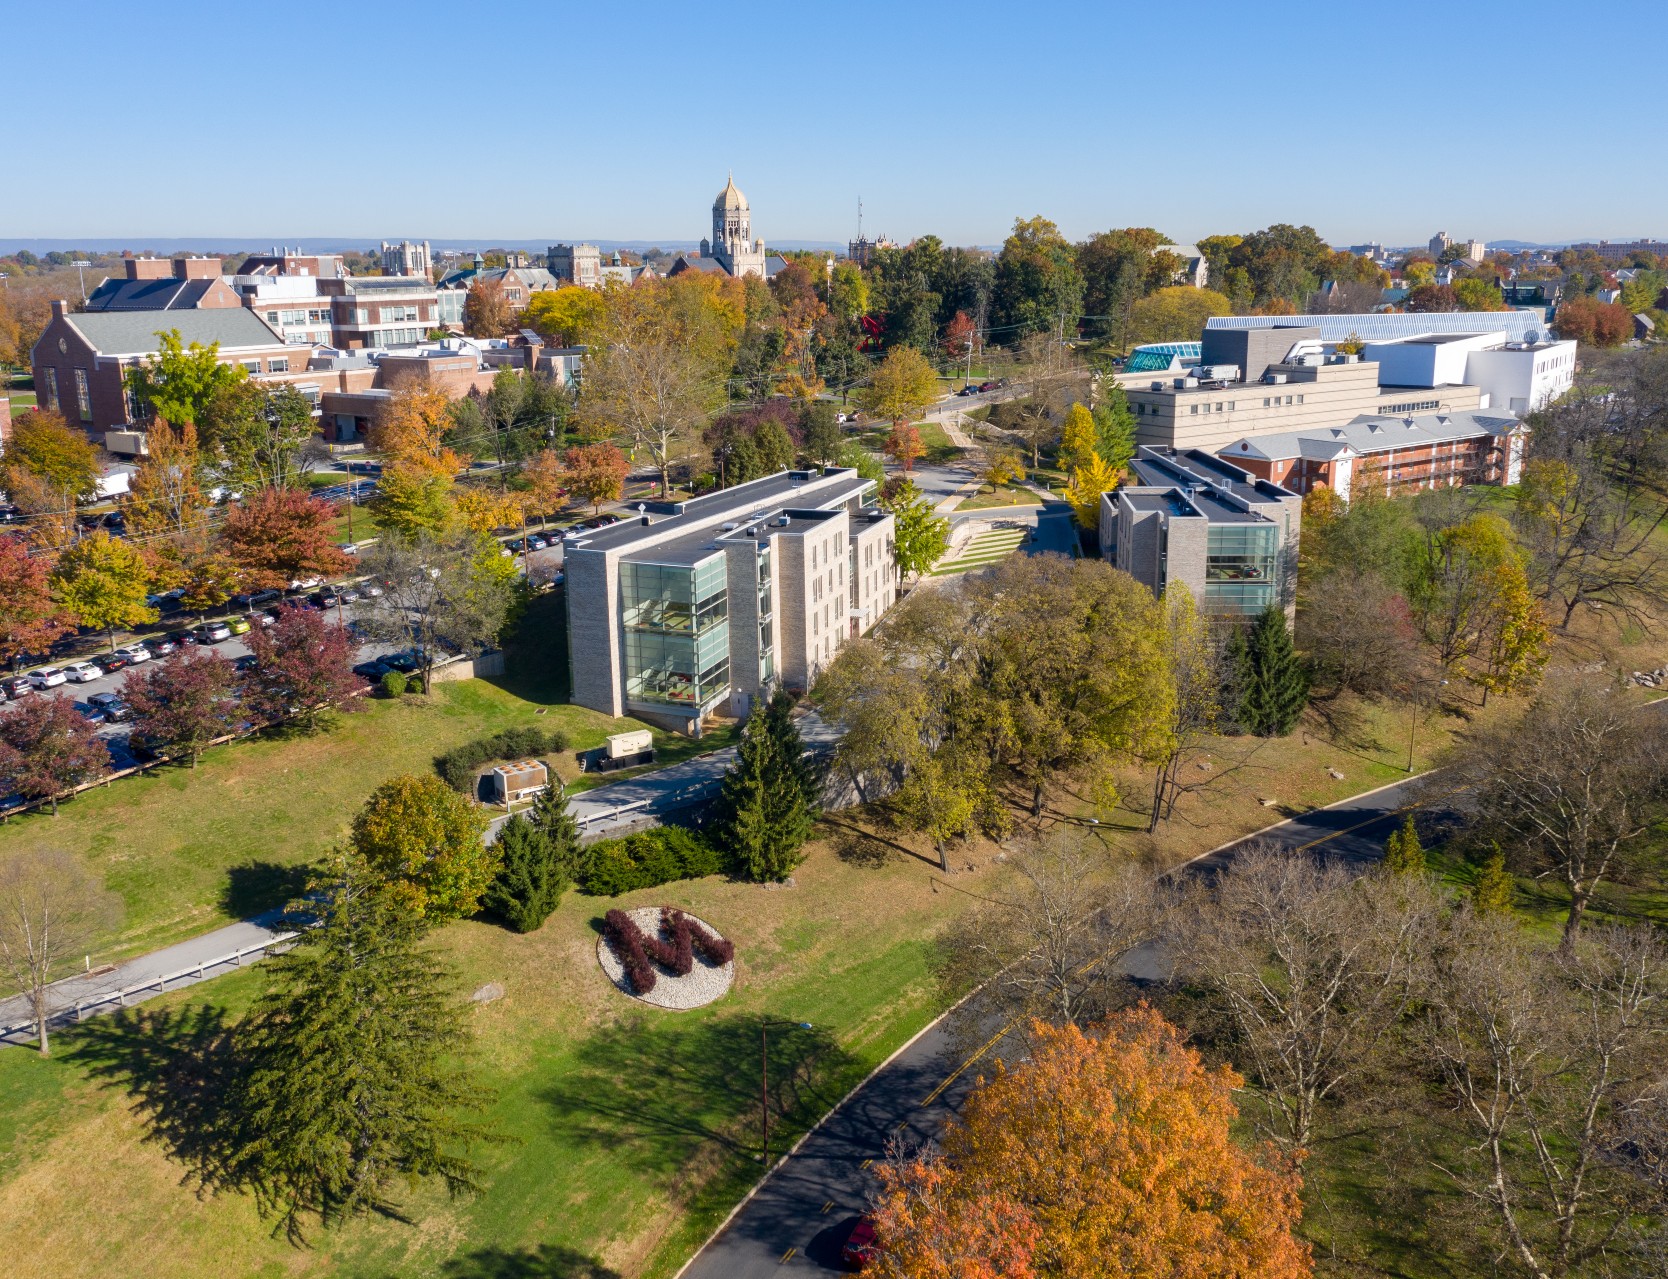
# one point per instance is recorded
(607, 810)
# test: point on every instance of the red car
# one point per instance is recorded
(860, 1247)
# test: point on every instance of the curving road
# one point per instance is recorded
(799, 1216)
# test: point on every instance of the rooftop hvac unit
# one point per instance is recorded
(1220, 372)
(731, 528)
(782, 521)
(1277, 379)
(1158, 386)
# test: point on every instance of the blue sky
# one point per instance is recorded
(555, 121)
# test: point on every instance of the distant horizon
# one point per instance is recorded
(348, 244)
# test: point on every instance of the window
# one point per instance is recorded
(254, 366)
(278, 366)
(1193, 409)
(1230, 406)
(677, 636)
(1300, 399)
(272, 317)
(52, 388)
(1240, 568)
(83, 396)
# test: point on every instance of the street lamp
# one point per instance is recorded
(765, 1023)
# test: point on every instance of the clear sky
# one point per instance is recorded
(266, 121)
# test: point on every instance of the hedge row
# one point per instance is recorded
(644, 860)
(627, 940)
(459, 766)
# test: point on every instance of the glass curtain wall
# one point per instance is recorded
(767, 646)
(677, 634)
(1241, 568)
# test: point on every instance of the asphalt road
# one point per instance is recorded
(801, 1214)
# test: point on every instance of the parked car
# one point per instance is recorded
(969, 389)
(536, 543)
(135, 653)
(238, 625)
(860, 1249)
(162, 645)
(111, 706)
(327, 598)
(987, 386)
(347, 548)
(305, 583)
(212, 633)
(89, 712)
(184, 639)
(373, 670)
(350, 594)
(110, 663)
(405, 661)
(3, 698)
(247, 601)
(46, 677)
(245, 663)
(516, 545)
(370, 590)
(17, 686)
(142, 746)
(82, 672)
(263, 619)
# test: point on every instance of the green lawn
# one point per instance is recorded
(191, 849)
(1004, 496)
(634, 1131)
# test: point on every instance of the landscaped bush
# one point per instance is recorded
(393, 683)
(658, 856)
(627, 941)
(715, 950)
(676, 953)
(459, 766)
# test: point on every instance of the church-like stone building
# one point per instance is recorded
(732, 248)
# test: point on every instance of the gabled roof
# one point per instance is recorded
(149, 295)
(684, 262)
(134, 332)
(1372, 433)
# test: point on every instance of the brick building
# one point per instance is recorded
(164, 284)
(1389, 454)
(81, 359)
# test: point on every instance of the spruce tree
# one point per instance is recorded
(354, 1082)
(1274, 684)
(529, 883)
(552, 815)
(1491, 894)
(766, 809)
(1403, 853)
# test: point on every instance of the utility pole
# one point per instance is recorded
(80, 268)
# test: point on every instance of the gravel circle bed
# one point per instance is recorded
(705, 983)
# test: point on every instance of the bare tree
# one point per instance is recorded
(1307, 968)
(1359, 636)
(51, 912)
(1196, 670)
(1539, 1059)
(1568, 788)
(1050, 951)
(441, 593)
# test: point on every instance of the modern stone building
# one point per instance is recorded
(709, 604)
(1230, 537)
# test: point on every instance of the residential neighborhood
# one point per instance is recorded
(762, 699)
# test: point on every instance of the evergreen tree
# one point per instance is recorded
(354, 1081)
(1114, 427)
(767, 807)
(1491, 894)
(552, 815)
(1274, 684)
(1403, 853)
(530, 883)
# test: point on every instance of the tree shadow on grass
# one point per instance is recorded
(547, 1261)
(654, 1092)
(180, 1070)
(259, 886)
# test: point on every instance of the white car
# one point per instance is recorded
(46, 677)
(82, 673)
(306, 583)
(135, 653)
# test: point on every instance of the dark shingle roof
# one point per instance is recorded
(149, 295)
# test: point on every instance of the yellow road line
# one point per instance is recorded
(786, 1255)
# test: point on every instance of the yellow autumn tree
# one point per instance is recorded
(1084, 491)
(902, 388)
(1078, 438)
(411, 431)
(1106, 1154)
(163, 494)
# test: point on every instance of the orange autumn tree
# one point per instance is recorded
(1105, 1155)
(904, 446)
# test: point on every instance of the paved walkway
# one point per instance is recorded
(601, 812)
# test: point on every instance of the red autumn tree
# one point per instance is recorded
(1594, 323)
(280, 535)
(596, 473)
(303, 666)
(904, 445)
(1106, 1153)
(960, 336)
(29, 617)
(1432, 297)
(185, 703)
(47, 749)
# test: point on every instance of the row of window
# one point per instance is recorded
(1412, 406)
(298, 317)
